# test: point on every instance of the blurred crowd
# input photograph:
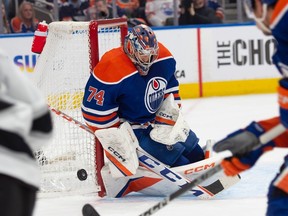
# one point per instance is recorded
(19, 15)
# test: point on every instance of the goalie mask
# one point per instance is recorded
(141, 47)
(257, 10)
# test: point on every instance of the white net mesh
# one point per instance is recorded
(61, 72)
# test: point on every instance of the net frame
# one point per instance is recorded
(96, 30)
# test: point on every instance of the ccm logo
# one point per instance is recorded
(117, 154)
(165, 115)
(200, 168)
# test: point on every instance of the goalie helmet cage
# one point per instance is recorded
(71, 164)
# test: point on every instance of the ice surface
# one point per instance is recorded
(210, 118)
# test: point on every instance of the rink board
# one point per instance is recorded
(212, 60)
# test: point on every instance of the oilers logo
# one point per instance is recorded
(154, 93)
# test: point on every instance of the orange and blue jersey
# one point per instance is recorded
(130, 4)
(116, 91)
(18, 26)
(279, 30)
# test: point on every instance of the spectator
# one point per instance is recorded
(25, 21)
(73, 10)
(197, 12)
(101, 9)
(66, 11)
(11, 10)
(5, 21)
(90, 13)
(159, 11)
(79, 6)
(217, 7)
(130, 7)
(133, 10)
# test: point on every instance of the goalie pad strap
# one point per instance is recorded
(159, 119)
(135, 125)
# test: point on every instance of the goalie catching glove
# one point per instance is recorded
(247, 156)
(170, 126)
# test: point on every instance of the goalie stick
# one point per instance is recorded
(161, 170)
(263, 139)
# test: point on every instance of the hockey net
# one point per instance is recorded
(71, 164)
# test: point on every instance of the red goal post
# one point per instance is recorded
(93, 29)
(71, 52)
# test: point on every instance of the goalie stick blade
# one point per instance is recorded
(89, 210)
(223, 183)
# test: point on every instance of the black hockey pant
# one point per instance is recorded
(16, 198)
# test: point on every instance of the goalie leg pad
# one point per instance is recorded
(165, 153)
(120, 148)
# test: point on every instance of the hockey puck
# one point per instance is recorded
(88, 210)
(82, 174)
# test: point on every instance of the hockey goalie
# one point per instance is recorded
(132, 103)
